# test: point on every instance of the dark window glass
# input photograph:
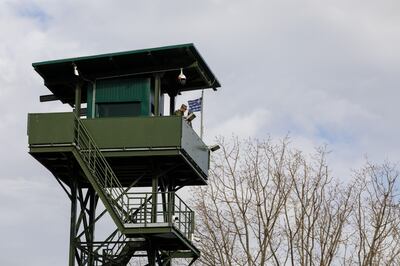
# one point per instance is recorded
(118, 109)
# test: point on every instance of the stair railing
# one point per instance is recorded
(101, 170)
(130, 207)
(104, 252)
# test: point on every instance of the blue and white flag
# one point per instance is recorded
(195, 105)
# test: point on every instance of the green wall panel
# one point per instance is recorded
(156, 135)
(195, 147)
(51, 128)
(124, 90)
(136, 132)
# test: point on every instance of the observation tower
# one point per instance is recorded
(118, 146)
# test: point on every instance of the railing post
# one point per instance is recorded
(78, 134)
(145, 210)
(180, 212)
(154, 199)
(164, 199)
(173, 196)
(170, 206)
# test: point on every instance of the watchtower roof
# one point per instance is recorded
(59, 75)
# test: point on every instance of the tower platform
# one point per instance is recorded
(137, 148)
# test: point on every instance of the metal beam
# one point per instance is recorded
(48, 98)
(72, 235)
(157, 92)
(171, 103)
(99, 190)
(151, 256)
(78, 92)
(154, 199)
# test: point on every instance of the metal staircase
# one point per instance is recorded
(117, 250)
(100, 175)
(131, 211)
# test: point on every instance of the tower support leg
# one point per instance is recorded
(92, 215)
(151, 256)
(72, 235)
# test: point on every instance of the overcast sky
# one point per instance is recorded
(326, 72)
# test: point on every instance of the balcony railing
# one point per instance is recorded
(160, 209)
(122, 134)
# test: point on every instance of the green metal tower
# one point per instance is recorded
(118, 146)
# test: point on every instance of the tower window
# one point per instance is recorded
(118, 109)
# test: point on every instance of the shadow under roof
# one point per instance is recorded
(59, 76)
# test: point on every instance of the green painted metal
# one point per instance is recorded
(128, 208)
(50, 128)
(157, 94)
(124, 136)
(136, 132)
(114, 211)
(110, 156)
(195, 147)
(120, 204)
(48, 148)
(91, 222)
(142, 153)
(110, 251)
(60, 80)
(120, 91)
(148, 212)
(73, 229)
(78, 99)
(110, 55)
(121, 132)
(99, 173)
(90, 101)
(154, 199)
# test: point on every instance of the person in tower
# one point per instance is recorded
(181, 111)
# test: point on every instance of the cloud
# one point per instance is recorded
(242, 124)
(31, 11)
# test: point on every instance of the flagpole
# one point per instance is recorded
(202, 105)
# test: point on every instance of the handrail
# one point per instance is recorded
(131, 207)
(100, 169)
(105, 251)
(173, 211)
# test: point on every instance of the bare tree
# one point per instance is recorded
(269, 204)
(239, 211)
(377, 217)
(317, 213)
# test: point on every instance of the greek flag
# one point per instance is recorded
(195, 105)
